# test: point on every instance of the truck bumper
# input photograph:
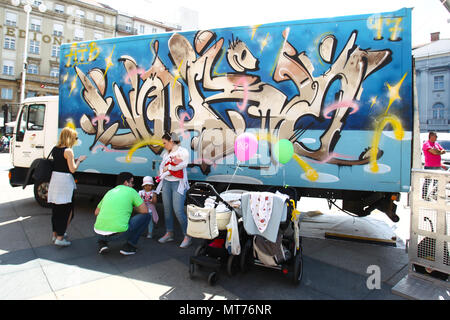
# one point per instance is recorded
(17, 176)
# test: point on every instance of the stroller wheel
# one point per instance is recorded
(246, 256)
(298, 268)
(233, 265)
(212, 278)
(200, 251)
(191, 270)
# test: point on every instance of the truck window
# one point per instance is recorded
(36, 114)
(31, 118)
(22, 124)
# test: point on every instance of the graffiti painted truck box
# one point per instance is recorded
(322, 105)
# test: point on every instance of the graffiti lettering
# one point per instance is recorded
(156, 101)
(398, 132)
(76, 54)
(376, 23)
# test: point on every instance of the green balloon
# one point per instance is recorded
(283, 151)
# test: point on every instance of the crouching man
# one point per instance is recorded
(114, 219)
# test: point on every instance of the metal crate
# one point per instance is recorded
(430, 224)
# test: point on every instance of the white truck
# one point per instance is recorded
(323, 105)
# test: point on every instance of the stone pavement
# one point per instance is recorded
(31, 267)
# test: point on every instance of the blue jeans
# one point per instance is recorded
(136, 226)
(173, 201)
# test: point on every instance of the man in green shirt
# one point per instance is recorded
(114, 219)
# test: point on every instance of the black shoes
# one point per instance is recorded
(103, 247)
(128, 249)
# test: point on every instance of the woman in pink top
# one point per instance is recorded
(432, 152)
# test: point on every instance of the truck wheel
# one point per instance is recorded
(41, 193)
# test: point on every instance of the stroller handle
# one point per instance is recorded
(204, 186)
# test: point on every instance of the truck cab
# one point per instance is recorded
(35, 134)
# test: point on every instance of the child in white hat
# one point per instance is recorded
(149, 197)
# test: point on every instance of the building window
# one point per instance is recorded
(10, 43)
(79, 13)
(35, 46)
(128, 27)
(98, 36)
(7, 93)
(438, 111)
(142, 29)
(33, 69)
(78, 35)
(55, 51)
(11, 19)
(59, 8)
(154, 30)
(99, 18)
(35, 25)
(30, 94)
(54, 72)
(438, 83)
(8, 67)
(58, 30)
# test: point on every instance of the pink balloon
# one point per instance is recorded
(245, 146)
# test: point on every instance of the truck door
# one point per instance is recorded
(28, 142)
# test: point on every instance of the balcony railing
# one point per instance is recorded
(122, 28)
(438, 121)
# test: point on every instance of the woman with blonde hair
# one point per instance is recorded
(62, 184)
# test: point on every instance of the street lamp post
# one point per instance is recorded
(27, 8)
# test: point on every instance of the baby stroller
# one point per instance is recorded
(285, 254)
(212, 254)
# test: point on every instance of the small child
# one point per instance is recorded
(179, 173)
(149, 197)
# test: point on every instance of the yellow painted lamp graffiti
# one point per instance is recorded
(398, 133)
(71, 124)
(310, 173)
(140, 144)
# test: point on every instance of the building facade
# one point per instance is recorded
(63, 21)
(432, 64)
(132, 25)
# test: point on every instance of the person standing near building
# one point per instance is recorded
(174, 188)
(432, 151)
(62, 184)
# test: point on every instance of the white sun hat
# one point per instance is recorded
(147, 180)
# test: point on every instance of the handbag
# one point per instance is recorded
(44, 169)
(202, 222)
(232, 243)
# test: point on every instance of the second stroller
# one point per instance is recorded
(279, 246)
(206, 222)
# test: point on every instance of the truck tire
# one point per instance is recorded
(41, 193)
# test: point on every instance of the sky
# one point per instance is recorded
(427, 16)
